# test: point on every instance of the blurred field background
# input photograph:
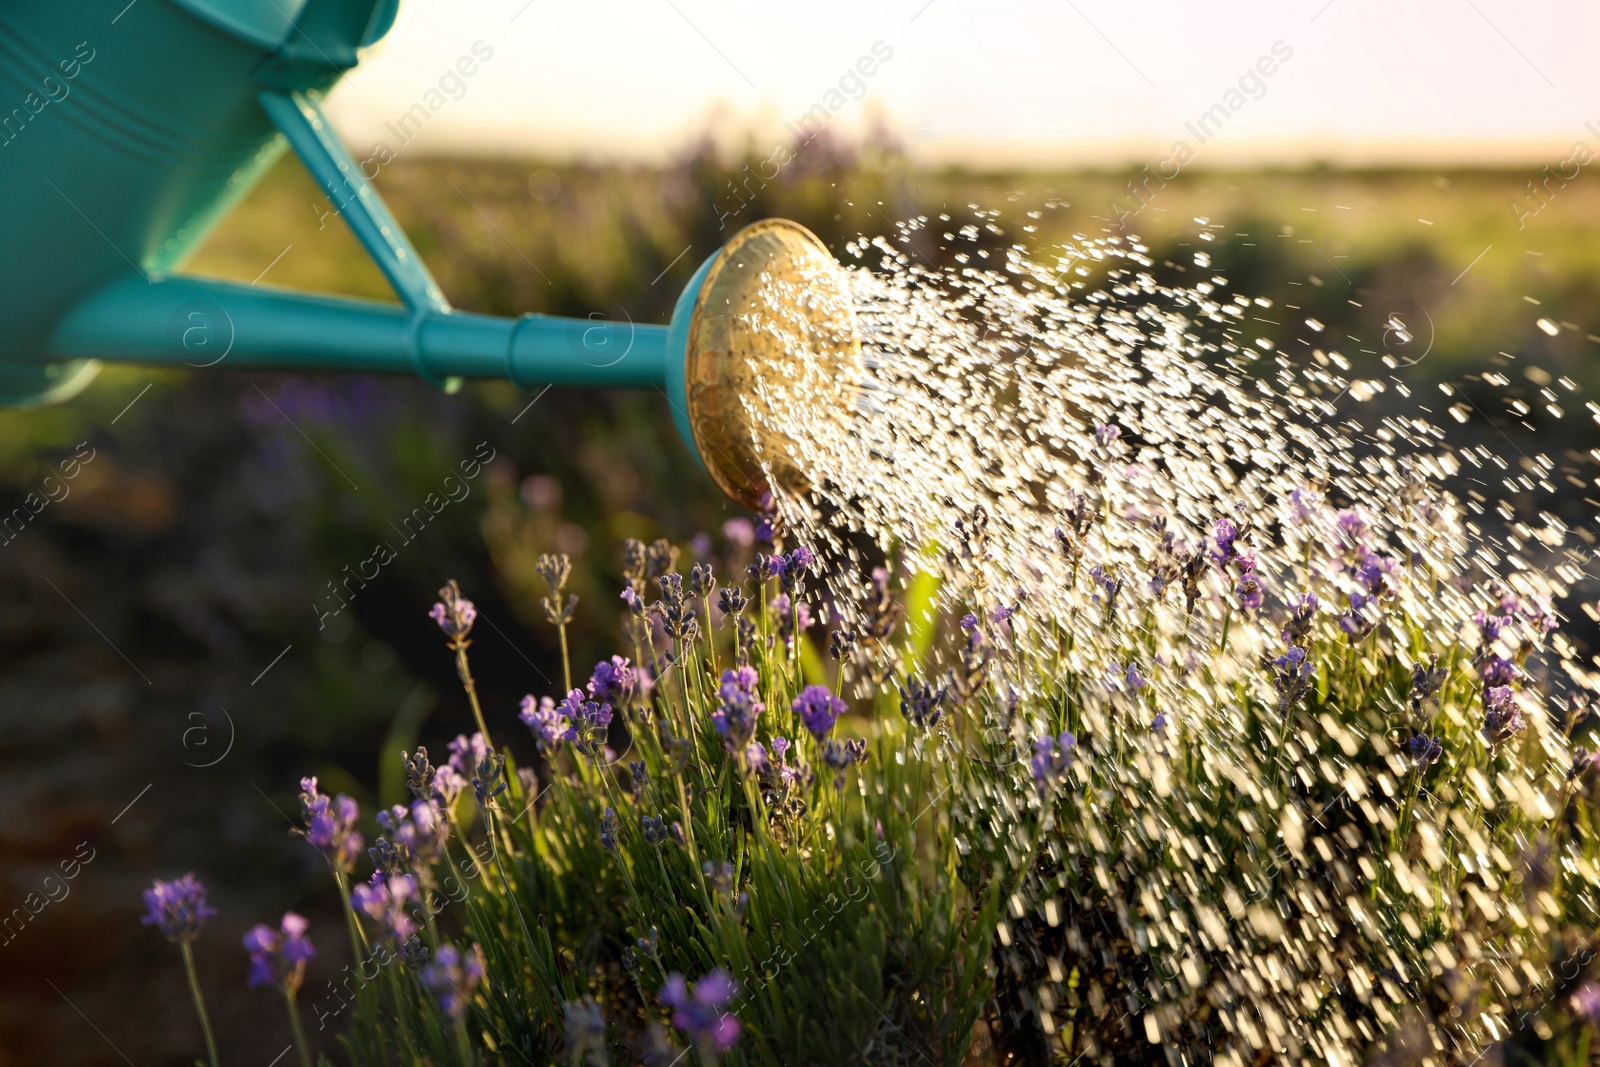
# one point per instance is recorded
(189, 553)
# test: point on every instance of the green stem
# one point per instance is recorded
(688, 836)
(358, 937)
(199, 1002)
(1398, 836)
(711, 639)
(566, 661)
(511, 899)
(299, 1032)
(471, 687)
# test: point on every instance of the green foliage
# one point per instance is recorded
(844, 922)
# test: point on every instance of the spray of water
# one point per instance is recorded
(1262, 730)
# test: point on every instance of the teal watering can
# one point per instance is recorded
(126, 133)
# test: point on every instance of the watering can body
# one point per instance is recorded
(126, 135)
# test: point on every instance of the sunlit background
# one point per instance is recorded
(998, 83)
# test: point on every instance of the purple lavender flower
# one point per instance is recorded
(489, 779)
(1304, 502)
(700, 1014)
(608, 830)
(453, 976)
(466, 753)
(1424, 751)
(1223, 537)
(969, 622)
(719, 873)
(1302, 612)
(612, 683)
(1535, 611)
(1159, 723)
(587, 721)
(731, 600)
(795, 565)
(1502, 715)
(1052, 756)
(1292, 678)
(1105, 435)
(383, 899)
(755, 757)
(330, 825)
(1107, 586)
(653, 829)
(1489, 627)
(1371, 569)
(769, 523)
(278, 957)
(1498, 670)
(838, 756)
(177, 908)
(454, 613)
(782, 772)
(920, 703)
(549, 726)
(766, 567)
(1352, 527)
(818, 710)
(735, 718)
(1248, 590)
(420, 829)
(1128, 679)
(1426, 679)
(447, 786)
(1359, 620)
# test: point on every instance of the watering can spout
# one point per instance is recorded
(157, 142)
(769, 307)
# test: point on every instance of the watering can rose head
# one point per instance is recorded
(770, 346)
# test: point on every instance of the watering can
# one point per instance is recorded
(128, 132)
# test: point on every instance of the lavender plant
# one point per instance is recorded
(721, 864)
(1367, 846)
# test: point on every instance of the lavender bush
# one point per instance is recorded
(1331, 836)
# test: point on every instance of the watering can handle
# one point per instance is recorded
(298, 116)
(300, 119)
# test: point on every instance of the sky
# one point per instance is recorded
(990, 83)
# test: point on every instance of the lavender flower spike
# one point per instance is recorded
(384, 900)
(612, 682)
(1052, 756)
(453, 976)
(1424, 751)
(278, 957)
(1502, 716)
(735, 718)
(700, 1013)
(1248, 589)
(818, 709)
(454, 613)
(331, 825)
(549, 726)
(177, 908)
